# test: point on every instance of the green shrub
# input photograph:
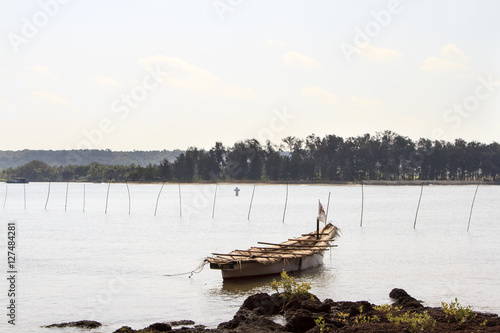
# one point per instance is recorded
(363, 319)
(320, 322)
(460, 313)
(343, 317)
(289, 288)
(414, 322)
(384, 308)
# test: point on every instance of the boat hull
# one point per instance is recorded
(254, 269)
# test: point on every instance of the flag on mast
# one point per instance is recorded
(321, 213)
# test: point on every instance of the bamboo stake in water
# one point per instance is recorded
(66, 202)
(129, 201)
(251, 201)
(327, 207)
(180, 201)
(362, 202)
(107, 196)
(47, 201)
(83, 198)
(215, 197)
(472, 206)
(24, 196)
(158, 198)
(5, 199)
(286, 201)
(326, 219)
(418, 206)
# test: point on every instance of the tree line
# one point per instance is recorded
(14, 159)
(383, 156)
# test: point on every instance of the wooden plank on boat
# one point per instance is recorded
(235, 255)
(314, 234)
(279, 252)
(310, 240)
(288, 249)
(299, 246)
(256, 256)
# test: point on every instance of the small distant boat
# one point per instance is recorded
(293, 255)
(18, 180)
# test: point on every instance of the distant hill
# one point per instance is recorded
(84, 157)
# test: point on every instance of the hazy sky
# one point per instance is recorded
(158, 74)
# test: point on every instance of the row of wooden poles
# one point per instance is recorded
(66, 197)
(157, 199)
(107, 198)
(418, 205)
(215, 198)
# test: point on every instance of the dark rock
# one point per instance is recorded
(160, 327)
(200, 327)
(309, 302)
(301, 312)
(262, 304)
(153, 328)
(329, 302)
(124, 329)
(246, 321)
(353, 308)
(197, 329)
(181, 322)
(300, 320)
(398, 294)
(89, 324)
(240, 317)
(404, 300)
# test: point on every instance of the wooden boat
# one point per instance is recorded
(292, 255)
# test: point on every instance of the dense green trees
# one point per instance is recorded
(383, 156)
(84, 157)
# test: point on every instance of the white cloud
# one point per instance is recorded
(294, 59)
(378, 54)
(452, 59)
(8, 111)
(452, 51)
(435, 64)
(182, 75)
(369, 109)
(356, 104)
(275, 43)
(320, 96)
(415, 121)
(107, 81)
(235, 90)
(366, 103)
(39, 69)
(42, 96)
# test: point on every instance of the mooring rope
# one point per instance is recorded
(194, 271)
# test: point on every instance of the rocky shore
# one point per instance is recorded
(262, 313)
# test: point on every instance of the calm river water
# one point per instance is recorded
(80, 258)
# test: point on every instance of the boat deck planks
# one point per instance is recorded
(292, 248)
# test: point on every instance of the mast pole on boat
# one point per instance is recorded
(317, 228)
